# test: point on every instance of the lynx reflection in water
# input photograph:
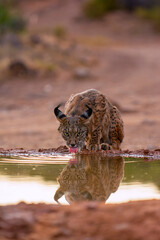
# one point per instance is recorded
(90, 177)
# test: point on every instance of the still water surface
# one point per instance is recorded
(87, 177)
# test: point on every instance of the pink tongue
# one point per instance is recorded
(72, 150)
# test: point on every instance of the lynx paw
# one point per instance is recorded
(94, 147)
(105, 146)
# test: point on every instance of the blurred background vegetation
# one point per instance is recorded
(147, 9)
(10, 18)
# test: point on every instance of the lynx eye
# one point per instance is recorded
(66, 134)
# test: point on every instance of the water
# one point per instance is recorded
(66, 179)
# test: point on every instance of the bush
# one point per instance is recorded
(152, 14)
(60, 32)
(98, 8)
(131, 5)
(9, 21)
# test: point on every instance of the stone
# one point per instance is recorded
(81, 73)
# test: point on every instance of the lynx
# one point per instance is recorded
(90, 121)
(90, 177)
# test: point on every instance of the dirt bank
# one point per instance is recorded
(87, 221)
(143, 153)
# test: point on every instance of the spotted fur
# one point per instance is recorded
(90, 178)
(90, 121)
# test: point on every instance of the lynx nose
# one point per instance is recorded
(73, 145)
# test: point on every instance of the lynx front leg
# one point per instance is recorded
(115, 138)
(94, 140)
(115, 145)
(116, 132)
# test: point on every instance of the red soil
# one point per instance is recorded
(91, 220)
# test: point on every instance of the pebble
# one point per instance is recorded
(81, 73)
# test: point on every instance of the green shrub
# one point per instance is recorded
(10, 21)
(98, 8)
(152, 14)
(60, 32)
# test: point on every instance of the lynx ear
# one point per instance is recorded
(58, 195)
(85, 115)
(59, 115)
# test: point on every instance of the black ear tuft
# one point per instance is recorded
(87, 113)
(58, 113)
(58, 195)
